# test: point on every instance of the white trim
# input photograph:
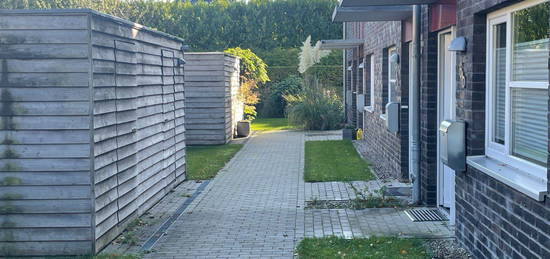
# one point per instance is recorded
(411, 82)
(518, 179)
(493, 150)
(372, 81)
(390, 72)
(441, 54)
(507, 10)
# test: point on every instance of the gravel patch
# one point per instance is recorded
(374, 159)
(446, 248)
(374, 202)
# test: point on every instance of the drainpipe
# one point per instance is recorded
(414, 107)
(344, 68)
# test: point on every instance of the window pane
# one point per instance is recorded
(530, 51)
(530, 124)
(499, 82)
(392, 74)
(368, 91)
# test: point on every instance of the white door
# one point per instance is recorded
(446, 111)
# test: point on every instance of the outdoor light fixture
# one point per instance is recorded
(459, 44)
(394, 58)
(350, 68)
(181, 62)
(362, 65)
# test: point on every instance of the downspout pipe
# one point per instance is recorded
(414, 106)
(344, 67)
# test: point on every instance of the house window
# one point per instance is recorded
(349, 76)
(369, 82)
(361, 81)
(390, 78)
(392, 73)
(517, 96)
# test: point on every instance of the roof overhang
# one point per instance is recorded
(372, 13)
(364, 3)
(340, 44)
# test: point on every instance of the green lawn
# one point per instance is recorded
(204, 162)
(266, 124)
(374, 247)
(335, 160)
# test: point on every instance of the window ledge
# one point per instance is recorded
(521, 181)
(369, 109)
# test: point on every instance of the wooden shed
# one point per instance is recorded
(212, 103)
(91, 129)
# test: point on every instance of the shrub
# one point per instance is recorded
(253, 72)
(274, 103)
(315, 108)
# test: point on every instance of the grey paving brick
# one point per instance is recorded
(255, 207)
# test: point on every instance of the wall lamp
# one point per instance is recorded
(459, 44)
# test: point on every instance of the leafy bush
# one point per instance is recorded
(275, 104)
(315, 109)
(253, 72)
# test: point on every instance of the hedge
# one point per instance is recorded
(222, 24)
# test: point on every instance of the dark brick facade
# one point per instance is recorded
(492, 219)
(428, 112)
(387, 150)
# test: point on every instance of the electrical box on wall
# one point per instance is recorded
(392, 120)
(453, 144)
(360, 102)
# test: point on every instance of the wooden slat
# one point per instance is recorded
(44, 51)
(45, 178)
(44, 22)
(56, 248)
(47, 66)
(70, 136)
(48, 150)
(50, 206)
(47, 234)
(34, 36)
(49, 220)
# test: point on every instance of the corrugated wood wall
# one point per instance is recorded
(45, 197)
(211, 87)
(70, 79)
(139, 139)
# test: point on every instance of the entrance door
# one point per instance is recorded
(446, 111)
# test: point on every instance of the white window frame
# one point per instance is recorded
(495, 150)
(389, 50)
(390, 72)
(370, 108)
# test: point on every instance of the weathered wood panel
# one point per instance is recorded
(135, 75)
(44, 135)
(80, 91)
(211, 85)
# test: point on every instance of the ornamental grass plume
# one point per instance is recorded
(310, 55)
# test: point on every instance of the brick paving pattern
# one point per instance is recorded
(249, 209)
(254, 208)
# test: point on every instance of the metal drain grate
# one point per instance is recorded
(418, 215)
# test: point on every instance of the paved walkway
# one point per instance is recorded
(249, 210)
(255, 208)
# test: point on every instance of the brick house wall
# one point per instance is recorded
(428, 111)
(492, 219)
(385, 149)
